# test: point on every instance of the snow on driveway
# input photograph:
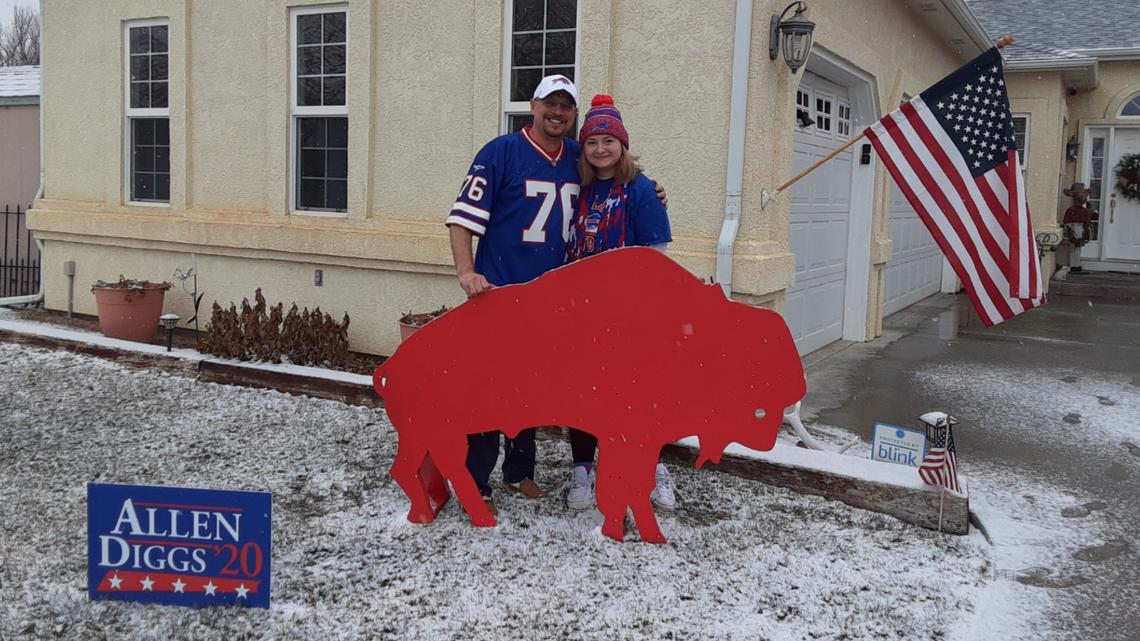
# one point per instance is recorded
(744, 560)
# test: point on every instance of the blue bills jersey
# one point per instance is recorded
(519, 200)
(612, 215)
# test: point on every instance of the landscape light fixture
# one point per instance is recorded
(169, 321)
(796, 34)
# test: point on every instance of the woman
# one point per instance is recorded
(618, 207)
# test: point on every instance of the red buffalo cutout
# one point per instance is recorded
(626, 345)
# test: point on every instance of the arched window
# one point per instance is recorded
(1132, 107)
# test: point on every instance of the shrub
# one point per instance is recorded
(266, 334)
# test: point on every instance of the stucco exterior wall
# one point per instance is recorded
(419, 109)
(1042, 96)
(1057, 115)
(19, 154)
(1119, 81)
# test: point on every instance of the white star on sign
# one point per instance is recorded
(990, 156)
(977, 164)
(994, 69)
(116, 581)
(179, 586)
(969, 87)
(210, 588)
(241, 590)
(147, 584)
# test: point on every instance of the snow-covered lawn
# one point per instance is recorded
(744, 560)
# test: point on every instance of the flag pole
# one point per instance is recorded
(941, 500)
(766, 196)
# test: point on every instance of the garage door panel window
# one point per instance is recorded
(823, 106)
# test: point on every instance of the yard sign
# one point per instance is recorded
(896, 444)
(178, 546)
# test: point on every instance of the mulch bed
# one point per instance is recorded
(358, 363)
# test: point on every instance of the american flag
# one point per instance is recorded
(940, 465)
(952, 152)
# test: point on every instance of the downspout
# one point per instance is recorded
(738, 107)
(38, 296)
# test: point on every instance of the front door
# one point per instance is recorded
(1121, 225)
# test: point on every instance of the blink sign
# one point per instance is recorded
(896, 444)
(178, 546)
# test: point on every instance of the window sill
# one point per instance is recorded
(132, 203)
(319, 214)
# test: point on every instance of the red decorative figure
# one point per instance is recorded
(626, 345)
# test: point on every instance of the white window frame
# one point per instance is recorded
(829, 117)
(1105, 133)
(519, 108)
(1124, 105)
(842, 121)
(130, 113)
(296, 111)
(1025, 148)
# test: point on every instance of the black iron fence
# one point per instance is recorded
(20, 257)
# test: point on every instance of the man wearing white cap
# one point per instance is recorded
(518, 197)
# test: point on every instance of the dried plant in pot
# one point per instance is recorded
(128, 308)
(412, 321)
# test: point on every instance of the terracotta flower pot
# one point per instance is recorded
(406, 330)
(410, 323)
(130, 313)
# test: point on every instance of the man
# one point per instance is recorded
(518, 197)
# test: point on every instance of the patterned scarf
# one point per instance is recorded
(599, 223)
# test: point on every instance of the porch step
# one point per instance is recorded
(1106, 286)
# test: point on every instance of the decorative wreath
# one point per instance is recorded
(1071, 235)
(1128, 176)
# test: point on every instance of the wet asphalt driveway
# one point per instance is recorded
(1053, 395)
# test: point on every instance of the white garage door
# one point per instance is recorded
(820, 210)
(915, 268)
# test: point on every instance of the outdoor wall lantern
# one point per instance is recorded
(796, 33)
(1072, 147)
(169, 321)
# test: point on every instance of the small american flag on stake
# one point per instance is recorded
(952, 152)
(940, 465)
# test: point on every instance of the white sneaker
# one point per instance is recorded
(664, 495)
(581, 494)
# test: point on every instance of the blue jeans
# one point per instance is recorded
(483, 453)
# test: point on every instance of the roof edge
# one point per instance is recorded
(1079, 73)
(965, 16)
(1111, 53)
(1045, 64)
